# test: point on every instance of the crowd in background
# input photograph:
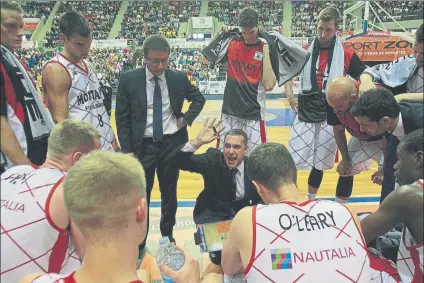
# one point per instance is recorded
(100, 14)
(270, 12)
(156, 17)
(305, 16)
(37, 9)
(144, 18)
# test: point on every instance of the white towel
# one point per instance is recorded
(336, 70)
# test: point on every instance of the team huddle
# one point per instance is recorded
(75, 198)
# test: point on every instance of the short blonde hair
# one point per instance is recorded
(101, 189)
(71, 135)
(330, 13)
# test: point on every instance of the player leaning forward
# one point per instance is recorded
(312, 144)
(70, 84)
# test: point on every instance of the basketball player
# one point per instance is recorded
(357, 155)
(290, 238)
(404, 205)
(248, 68)
(25, 121)
(34, 223)
(109, 207)
(312, 144)
(70, 84)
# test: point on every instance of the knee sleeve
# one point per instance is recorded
(315, 178)
(344, 186)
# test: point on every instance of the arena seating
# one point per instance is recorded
(156, 17)
(270, 12)
(37, 9)
(397, 7)
(110, 63)
(100, 14)
(304, 16)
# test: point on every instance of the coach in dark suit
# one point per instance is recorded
(378, 112)
(150, 122)
(227, 188)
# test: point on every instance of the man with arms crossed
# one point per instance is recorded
(35, 227)
(312, 144)
(357, 155)
(289, 237)
(404, 205)
(70, 84)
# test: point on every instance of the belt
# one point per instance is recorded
(152, 139)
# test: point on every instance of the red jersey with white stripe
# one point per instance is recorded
(410, 256)
(244, 94)
(85, 98)
(30, 241)
(57, 278)
(316, 241)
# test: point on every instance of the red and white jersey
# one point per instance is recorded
(85, 98)
(410, 258)
(57, 278)
(315, 241)
(30, 241)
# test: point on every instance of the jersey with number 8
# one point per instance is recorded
(86, 98)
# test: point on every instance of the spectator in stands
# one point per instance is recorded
(25, 121)
(145, 18)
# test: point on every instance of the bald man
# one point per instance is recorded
(357, 156)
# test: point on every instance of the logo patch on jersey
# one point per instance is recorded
(258, 56)
(281, 259)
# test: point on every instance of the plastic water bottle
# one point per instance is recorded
(169, 255)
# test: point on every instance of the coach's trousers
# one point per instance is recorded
(154, 158)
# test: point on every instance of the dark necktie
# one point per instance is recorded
(233, 173)
(157, 112)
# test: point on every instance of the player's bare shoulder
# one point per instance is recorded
(55, 72)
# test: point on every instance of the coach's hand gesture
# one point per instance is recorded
(209, 132)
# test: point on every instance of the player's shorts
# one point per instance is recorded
(362, 153)
(255, 131)
(312, 145)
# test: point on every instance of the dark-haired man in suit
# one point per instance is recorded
(227, 188)
(150, 122)
(377, 112)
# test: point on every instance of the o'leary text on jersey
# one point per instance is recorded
(307, 222)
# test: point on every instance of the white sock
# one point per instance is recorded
(340, 200)
(311, 196)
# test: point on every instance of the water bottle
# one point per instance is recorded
(169, 255)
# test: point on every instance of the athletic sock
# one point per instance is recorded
(311, 196)
(340, 200)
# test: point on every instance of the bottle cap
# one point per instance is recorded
(164, 241)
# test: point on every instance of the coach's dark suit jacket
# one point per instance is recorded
(412, 119)
(131, 105)
(214, 203)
